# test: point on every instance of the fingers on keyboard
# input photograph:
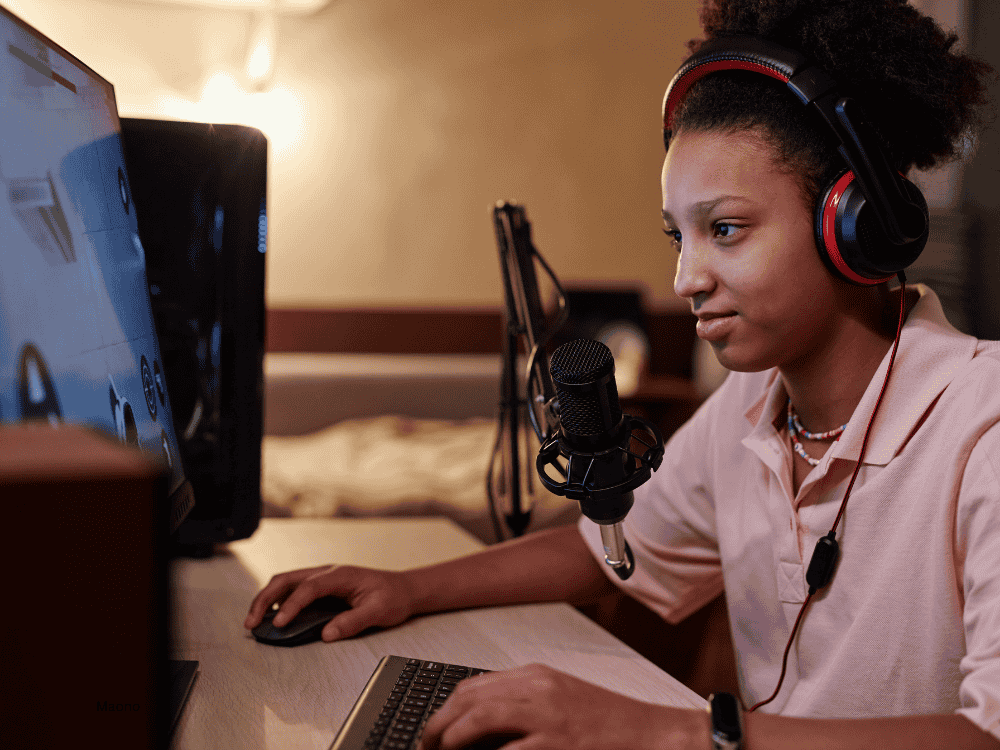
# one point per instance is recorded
(421, 688)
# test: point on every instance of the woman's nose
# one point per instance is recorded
(693, 275)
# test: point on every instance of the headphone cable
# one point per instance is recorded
(825, 555)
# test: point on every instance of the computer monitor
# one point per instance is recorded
(78, 345)
(77, 339)
(200, 193)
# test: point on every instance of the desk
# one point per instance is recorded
(249, 695)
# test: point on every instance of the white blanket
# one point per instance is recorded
(394, 466)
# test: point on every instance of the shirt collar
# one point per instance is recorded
(931, 352)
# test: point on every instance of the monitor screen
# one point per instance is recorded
(77, 339)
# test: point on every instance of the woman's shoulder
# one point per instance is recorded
(942, 360)
(987, 353)
(973, 395)
(982, 371)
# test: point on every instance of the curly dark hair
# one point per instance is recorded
(922, 97)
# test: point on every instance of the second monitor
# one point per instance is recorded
(201, 195)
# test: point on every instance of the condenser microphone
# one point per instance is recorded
(595, 439)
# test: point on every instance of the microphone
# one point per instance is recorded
(596, 440)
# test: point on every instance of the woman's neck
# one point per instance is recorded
(826, 386)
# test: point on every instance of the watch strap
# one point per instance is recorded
(727, 721)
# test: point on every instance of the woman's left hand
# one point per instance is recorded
(538, 708)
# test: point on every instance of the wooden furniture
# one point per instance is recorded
(86, 583)
(249, 695)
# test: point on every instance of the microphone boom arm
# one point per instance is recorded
(525, 324)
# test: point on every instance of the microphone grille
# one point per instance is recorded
(581, 361)
(583, 374)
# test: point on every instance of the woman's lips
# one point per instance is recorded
(715, 327)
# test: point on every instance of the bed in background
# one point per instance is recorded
(362, 435)
(393, 412)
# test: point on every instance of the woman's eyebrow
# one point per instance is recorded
(699, 209)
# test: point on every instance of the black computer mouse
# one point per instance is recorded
(305, 627)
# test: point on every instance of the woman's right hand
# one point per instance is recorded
(378, 598)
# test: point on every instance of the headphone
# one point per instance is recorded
(870, 222)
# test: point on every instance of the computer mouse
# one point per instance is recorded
(305, 627)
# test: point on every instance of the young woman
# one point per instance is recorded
(902, 647)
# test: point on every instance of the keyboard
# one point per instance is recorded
(400, 696)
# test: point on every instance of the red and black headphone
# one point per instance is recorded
(871, 222)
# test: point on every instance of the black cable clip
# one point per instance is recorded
(823, 561)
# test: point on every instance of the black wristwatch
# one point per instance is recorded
(727, 721)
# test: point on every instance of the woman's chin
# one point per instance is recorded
(732, 358)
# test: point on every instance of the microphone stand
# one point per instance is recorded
(524, 319)
(511, 405)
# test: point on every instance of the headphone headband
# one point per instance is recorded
(730, 53)
(903, 220)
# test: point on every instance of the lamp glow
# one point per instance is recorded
(259, 64)
(277, 112)
(260, 60)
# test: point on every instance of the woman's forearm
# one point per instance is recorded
(550, 565)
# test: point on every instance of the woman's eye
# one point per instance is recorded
(724, 229)
(675, 237)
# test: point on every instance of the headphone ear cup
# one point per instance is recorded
(851, 240)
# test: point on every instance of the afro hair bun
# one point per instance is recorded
(922, 95)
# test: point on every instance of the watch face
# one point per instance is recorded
(725, 715)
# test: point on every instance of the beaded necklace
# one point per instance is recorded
(795, 427)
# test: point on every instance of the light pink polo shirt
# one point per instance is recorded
(910, 623)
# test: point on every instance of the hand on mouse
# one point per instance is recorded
(377, 598)
(539, 707)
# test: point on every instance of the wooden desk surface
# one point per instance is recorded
(249, 695)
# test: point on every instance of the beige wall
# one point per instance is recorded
(397, 123)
